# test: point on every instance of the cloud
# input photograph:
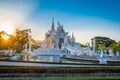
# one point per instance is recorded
(15, 12)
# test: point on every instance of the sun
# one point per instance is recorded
(5, 37)
(7, 28)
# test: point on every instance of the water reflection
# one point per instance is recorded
(46, 58)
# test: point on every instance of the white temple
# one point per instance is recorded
(58, 43)
(57, 38)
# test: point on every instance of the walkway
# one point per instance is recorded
(50, 65)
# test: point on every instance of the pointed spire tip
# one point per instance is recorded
(53, 19)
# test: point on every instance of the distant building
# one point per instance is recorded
(103, 40)
(56, 38)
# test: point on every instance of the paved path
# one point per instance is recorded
(49, 65)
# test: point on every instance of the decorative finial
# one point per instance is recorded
(58, 23)
(52, 19)
(52, 27)
(72, 34)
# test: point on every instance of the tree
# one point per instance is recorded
(11, 41)
(1, 39)
(103, 42)
(101, 46)
(21, 39)
(6, 44)
(116, 46)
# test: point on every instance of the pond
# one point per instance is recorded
(46, 58)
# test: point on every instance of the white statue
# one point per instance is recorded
(94, 46)
(25, 50)
(117, 53)
(111, 53)
(102, 59)
(101, 53)
(30, 43)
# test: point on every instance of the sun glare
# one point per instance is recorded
(5, 37)
(7, 29)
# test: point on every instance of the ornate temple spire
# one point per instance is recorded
(58, 27)
(73, 37)
(52, 26)
(58, 23)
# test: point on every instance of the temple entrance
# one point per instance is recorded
(61, 41)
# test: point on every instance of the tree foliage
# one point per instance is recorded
(101, 46)
(6, 44)
(15, 42)
(116, 46)
(103, 42)
(21, 39)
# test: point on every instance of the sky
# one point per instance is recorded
(86, 18)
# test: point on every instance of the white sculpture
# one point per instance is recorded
(101, 53)
(111, 53)
(51, 58)
(102, 59)
(117, 53)
(25, 48)
(30, 42)
(90, 53)
(94, 46)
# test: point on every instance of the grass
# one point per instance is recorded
(69, 78)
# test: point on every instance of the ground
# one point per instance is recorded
(68, 78)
